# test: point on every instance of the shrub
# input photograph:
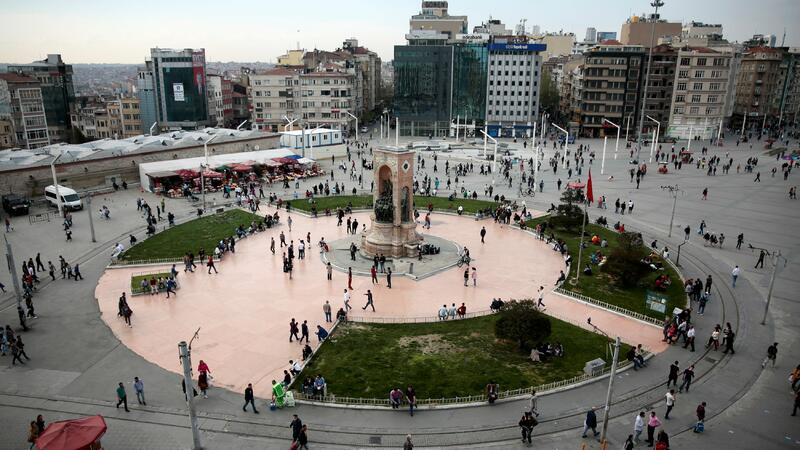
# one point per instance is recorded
(625, 261)
(569, 214)
(521, 322)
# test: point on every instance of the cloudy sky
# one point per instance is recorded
(112, 31)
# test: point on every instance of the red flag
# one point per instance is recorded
(589, 194)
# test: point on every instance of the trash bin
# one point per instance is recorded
(594, 367)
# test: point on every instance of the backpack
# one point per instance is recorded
(699, 427)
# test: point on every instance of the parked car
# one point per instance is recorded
(16, 204)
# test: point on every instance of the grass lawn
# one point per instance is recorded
(600, 285)
(190, 236)
(449, 359)
(360, 201)
(136, 280)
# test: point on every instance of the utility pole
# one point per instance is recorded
(655, 4)
(91, 219)
(775, 257)
(607, 410)
(12, 270)
(186, 361)
(673, 190)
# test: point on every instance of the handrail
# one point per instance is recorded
(426, 319)
(609, 307)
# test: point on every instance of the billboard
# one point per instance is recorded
(518, 47)
(199, 70)
(177, 92)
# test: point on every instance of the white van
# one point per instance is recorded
(69, 198)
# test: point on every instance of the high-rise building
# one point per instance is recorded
(22, 108)
(220, 101)
(512, 101)
(58, 92)
(146, 93)
(591, 35)
(422, 87)
(700, 93)
(179, 80)
(660, 87)
(646, 31)
(434, 16)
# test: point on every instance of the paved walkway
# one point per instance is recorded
(75, 356)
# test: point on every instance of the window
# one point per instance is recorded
(680, 98)
(719, 61)
(685, 61)
(714, 86)
(695, 99)
(697, 86)
(712, 99)
(699, 73)
(694, 110)
(701, 61)
(681, 86)
(683, 74)
(711, 110)
(716, 74)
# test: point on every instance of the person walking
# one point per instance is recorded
(534, 406)
(210, 264)
(304, 331)
(122, 397)
(293, 330)
(369, 301)
(483, 235)
(302, 438)
(772, 354)
(249, 398)
(408, 445)
(138, 387)
(652, 424)
(701, 413)
(374, 273)
(326, 308)
(735, 274)
(674, 369)
(760, 261)
(730, 336)
(389, 277)
(526, 424)
(272, 244)
(628, 445)
(670, 402)
(346, 298)
(690, 335)
(590, 423)
(329, 269)
(638, 427)
(411, 397)
(296, 425)
(796, 403)
(540, 297)
(688, 375)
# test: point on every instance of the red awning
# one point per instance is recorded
(241, 167)
(285, 160)
(75, 434)
(212, 174)
(575, 185)
(187, 173)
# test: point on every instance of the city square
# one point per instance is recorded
(412, 279)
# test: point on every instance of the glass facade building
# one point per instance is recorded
(470, 64)
(423, 89)
(179, 78)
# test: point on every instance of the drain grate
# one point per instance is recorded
(375, 440)
(710, 359)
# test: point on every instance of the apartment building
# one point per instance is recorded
(660, 87)
(220, 101)
(274, 94)
(327, 96)
(760, 82)
(130, 119)
(699, 95)
(434, 16)
(22, 104)
(647, 30)
(570, 90)
(7, 136)
(57, 92)
(611, 89)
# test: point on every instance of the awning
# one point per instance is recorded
(241, 167)
(187, 173)
(306, 161)
(576, 185)
(285, 160)
(163, 174)
(271, 163)
(212, 174)
(294, 156)
(72, 434)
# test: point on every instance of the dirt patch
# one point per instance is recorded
(428, 344)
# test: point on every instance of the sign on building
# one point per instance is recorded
(655, 301)
(177, 91)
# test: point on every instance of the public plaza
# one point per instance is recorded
(80, 348)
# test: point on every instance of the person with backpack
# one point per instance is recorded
(526, 424)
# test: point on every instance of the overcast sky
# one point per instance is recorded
(103, 31)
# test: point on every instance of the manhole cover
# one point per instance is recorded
(375, 440)
(710, 359)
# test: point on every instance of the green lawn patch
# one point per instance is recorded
(365, 201)
(447, 359)
(136, 280)
(204, 232)
(600, 285)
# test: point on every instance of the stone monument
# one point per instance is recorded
(393, 232)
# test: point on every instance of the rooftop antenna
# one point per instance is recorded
(783, 39)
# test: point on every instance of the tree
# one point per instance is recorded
(548, 96)
(569, 214)
(521, 322)
(625, 261)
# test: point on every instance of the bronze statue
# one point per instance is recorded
(384, 208)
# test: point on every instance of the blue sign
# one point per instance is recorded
(519, 47)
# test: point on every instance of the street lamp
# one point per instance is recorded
(203, 169)
(289, 123)
(566, 144)
(611, 375)
(655, 139)
(673, 190)
(775, 256)
(616, 146)
(241, 124)
(494, 161)
(55, 184)
(185, 355)
(354, 117)
(655, 4)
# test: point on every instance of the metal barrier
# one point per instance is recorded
(609, 307)
(42, 217)
(428, 319)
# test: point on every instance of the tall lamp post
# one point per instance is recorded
(55, 184)
(185, 355)
(566, 144)
(673, 190)
(12, 270)
(203, 168)
(611, 376)
(775, 256)
(655, 4)
(616, 147)
(655, 139)
(354, 117)
(494, 160)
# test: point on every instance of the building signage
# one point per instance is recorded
(472, 37)
(518, 47)
(177, 92)
(656, 302)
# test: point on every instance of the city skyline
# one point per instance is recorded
(115, 34)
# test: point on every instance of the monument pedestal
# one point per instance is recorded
(397, 241)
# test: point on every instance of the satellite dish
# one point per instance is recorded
(256, 147)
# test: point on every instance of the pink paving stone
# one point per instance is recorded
(244, 311)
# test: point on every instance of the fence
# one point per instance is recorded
(609, 307)
(428, 319)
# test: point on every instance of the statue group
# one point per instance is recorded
(384, 207)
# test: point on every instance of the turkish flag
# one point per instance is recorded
(589, 194)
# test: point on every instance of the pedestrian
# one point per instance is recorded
(670, 397)
(293, 330)
(210, 264)
(474, 277)
(466, 276)
(296, 425)
(350, 278)
(483, 235)
(289, 222)
(374, 272)
(329, 269)
(590, 423)
(735, 274)
(411, 397)
(76, 272)
(772, 354)
(33, 433)
(369, 301)
(302, 438)
(760, 261)
(796, 403)
(729, 339)
(526, 424)
(638, 426)
(304, 331)
(690, 334)
(389, 277)
(272, 244)
(701, 412)
(408, 445)
(326, 308)
(652, 424)
(688, 375)
(15, 351)
(138, 387)
(321, 333)
(249, 398)
(539, 302)
(51, 270)
(122, 397)
(628, 445)
(346, 298)
(673, 374)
